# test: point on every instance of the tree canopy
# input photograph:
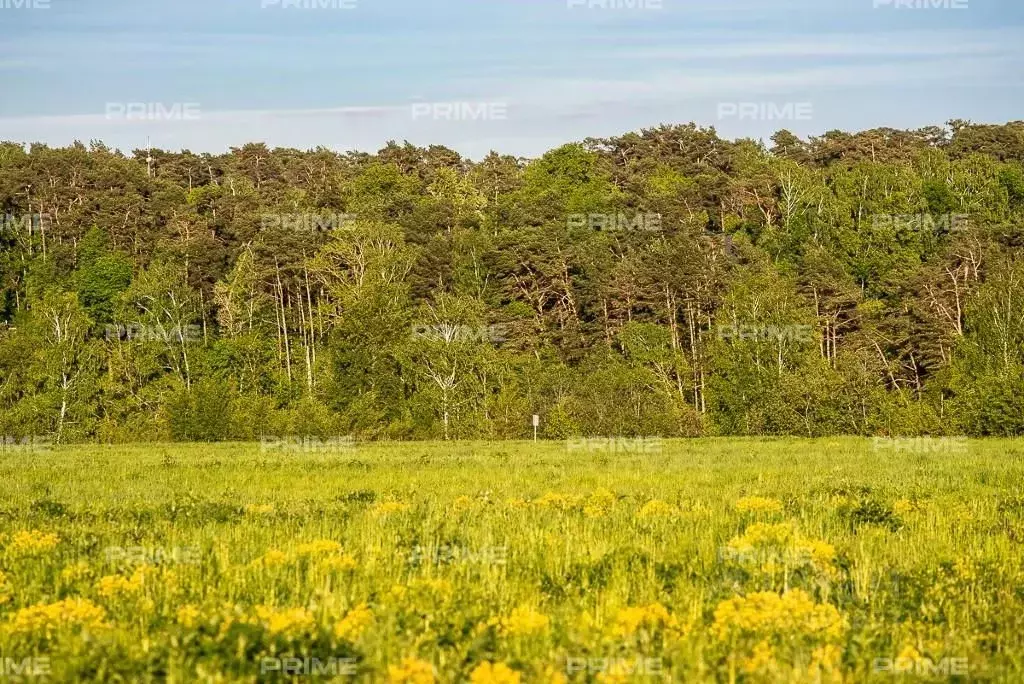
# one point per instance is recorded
(664, 282)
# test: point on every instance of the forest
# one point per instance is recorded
(666, 282)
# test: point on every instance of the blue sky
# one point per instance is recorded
(547, 72)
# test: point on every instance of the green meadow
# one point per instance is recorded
(716, 560)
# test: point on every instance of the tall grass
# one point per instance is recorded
(709, 560)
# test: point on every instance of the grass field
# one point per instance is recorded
(709, 560)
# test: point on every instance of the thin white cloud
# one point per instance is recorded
(543, 112)
(934, 44)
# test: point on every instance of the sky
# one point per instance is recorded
(516, 76)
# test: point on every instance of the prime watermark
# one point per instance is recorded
(310, 667)
(921, 445)
(763, 333)
(615, 445)
(616, 223)
(27, 222)
(36, 666)
(615, 665)
(26, 444)
(923, 222)
(788, 557)
(152, 555)
(454, 332)
(766, 111)
(453, 554)
(310, 4)
(615, 4)
(920, 4)
(24, 4)
(459, 111)
(153, 333)
(153, 111)
(921, 667)
(307, 445)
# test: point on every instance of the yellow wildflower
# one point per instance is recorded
(552, 500)
(821, 552)
(758, 504)
(552, 675)
(32, 542)
(115, 586)
(602, 498)
(259, 509)
(764, 534)
(76, 572)
(656, 508)
(825, 659)
(188, 616)
(432, 585)
(462, 504)
(762, 659)
(763, 613)
(494, 673)
(388, 507)
(630, 620)
(902, 507)
(272, 559)
(524, 621)
(411, 671)
(66, 614)
(965, 570)
(354, 623)
(909, 653)
(319, 546)
(599, 503)
(5, 595)
(289, 622)
(618, 672)
(780, 544)
(340, 563)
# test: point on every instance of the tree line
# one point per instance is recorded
(666, 282)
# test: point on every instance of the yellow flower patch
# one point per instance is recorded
(72, 613)
(758, 504)
(494, 673)
(76, 572)
(630, 620)
(387, 508)
(339, 563)
(411, 671)
(354, 623)
(287, 622)
(462, 504)
(318, 547)
(656, 509)
(188, 616)
(272, 559)
(553, 501)
(524, 621)
(766, 613)
(120, 586)
(599, 503)
(780, 544)
(32, 542)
